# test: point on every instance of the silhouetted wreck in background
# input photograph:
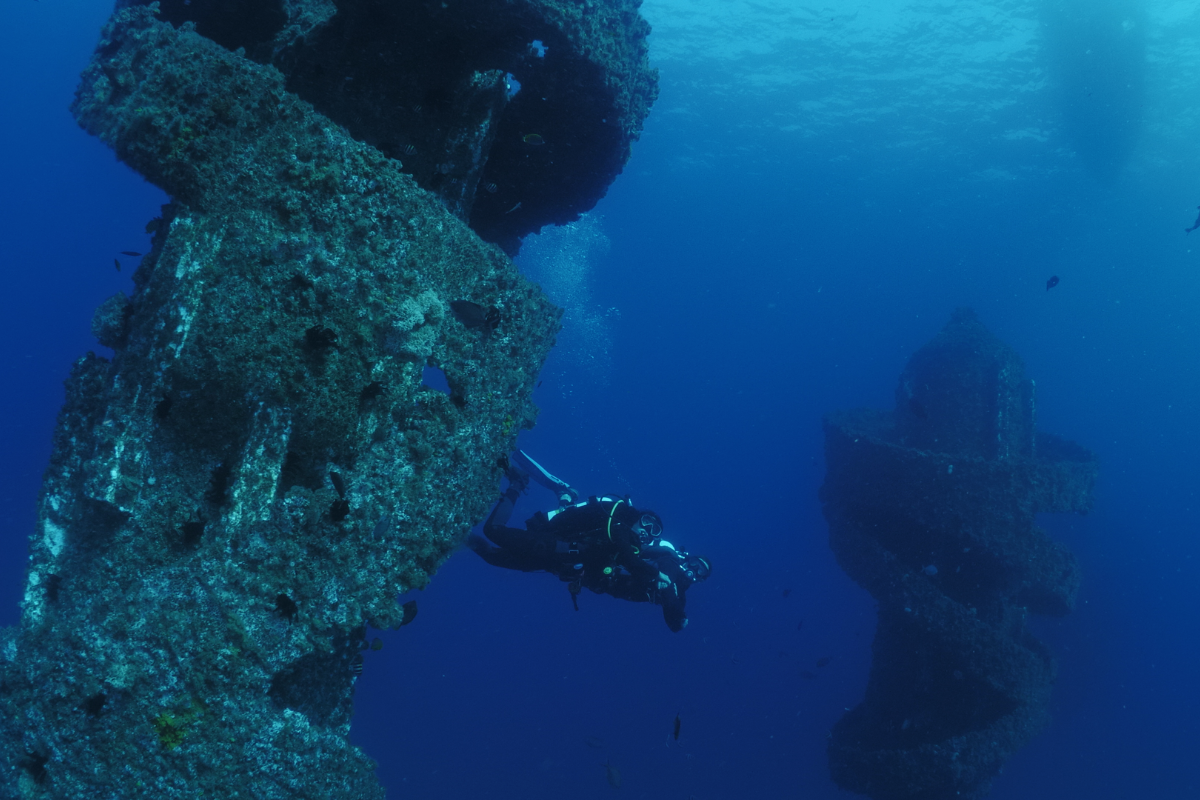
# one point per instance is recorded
(931, 508)
(259, 470)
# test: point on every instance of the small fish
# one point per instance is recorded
(823, 661)
(808, 675)
(594, 742)
(118, 264)
(786, 592)
(132, 253)
(1050, 284)
(614, 775)
(356, 664)
(410, 612)
(410, 149)
(533, 139)
(800, 624)
(491, 188)
(338, 484)
(675, 732)
(377, 643)
(1194, 225)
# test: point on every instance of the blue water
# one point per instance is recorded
(816, 190)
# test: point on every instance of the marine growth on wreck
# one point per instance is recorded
(258, 471)
(931, 508)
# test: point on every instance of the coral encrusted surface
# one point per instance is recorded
(259, 470)
(518, 113)
(931, 508)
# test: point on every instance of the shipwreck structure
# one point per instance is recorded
(518, 114)
(259, 470)
(931, 508)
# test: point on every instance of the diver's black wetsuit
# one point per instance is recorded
(670, 593)
(591, 545)
(578, 541)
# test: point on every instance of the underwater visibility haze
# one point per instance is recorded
(887, 308)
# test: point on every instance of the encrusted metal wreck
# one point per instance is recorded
(931, 508)
(259, 470)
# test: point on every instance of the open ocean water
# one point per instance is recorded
(818, 186)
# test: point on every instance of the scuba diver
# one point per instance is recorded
(604, 544)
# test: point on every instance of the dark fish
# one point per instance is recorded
(410, 612)
(675, 733)
(118, 264)
(614, 775)
(475, 316)
(409, 150)
(592, 741)
(356, 664)
(377, 643)
(1195, 225)
(491, 187)
(534, 139)
(800, 624)
(1050, 284)
(786, 592)
(808, 675)
(823, 661)
(917, 408)
(338, 484)
(132, 253)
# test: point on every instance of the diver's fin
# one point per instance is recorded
(566, 494)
